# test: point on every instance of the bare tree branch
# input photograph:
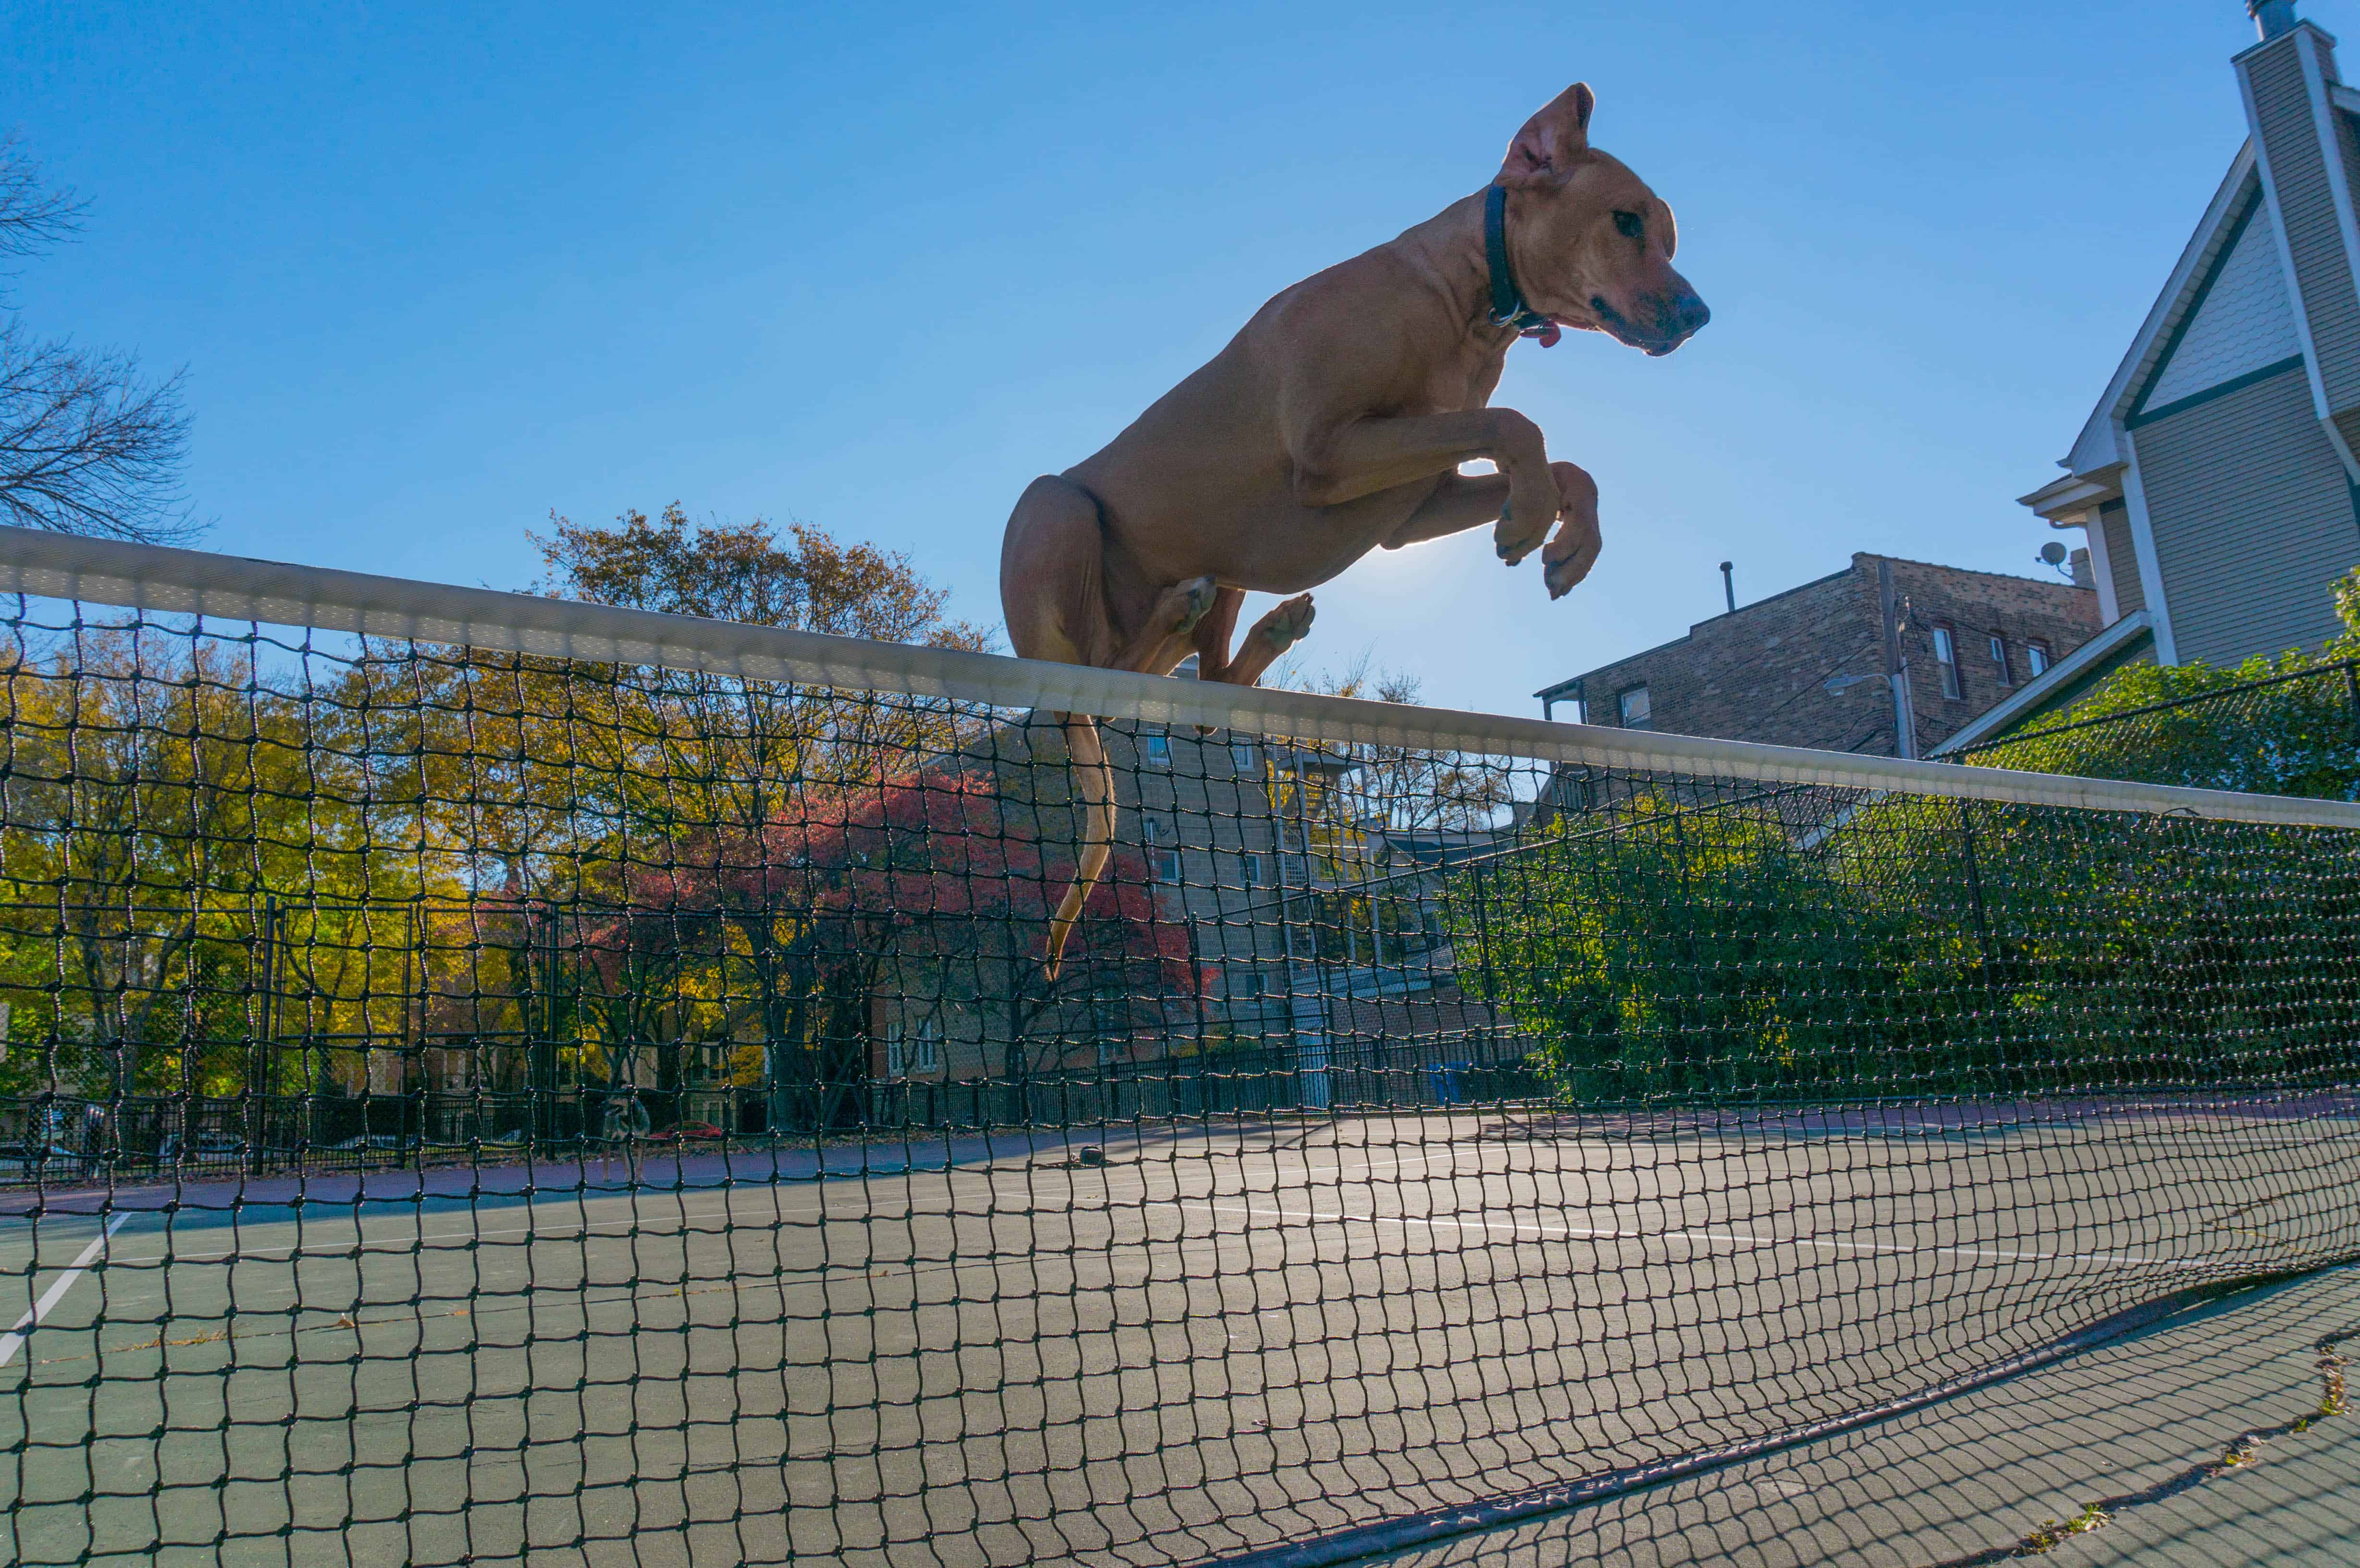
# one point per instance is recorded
(33, 216)
(86, 446)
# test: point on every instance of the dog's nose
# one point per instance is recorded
(1676, 321)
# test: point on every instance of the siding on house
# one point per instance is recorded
(2122, 557)
(2285, 117)
(2346, 415)
(2232, 425)
(2243, 322)
(2347, 157)
(2253, 519)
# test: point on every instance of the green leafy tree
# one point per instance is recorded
(1913, 945)
(2283, 725)
(1680, 952)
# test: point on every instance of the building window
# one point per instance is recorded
(1163, 855)
(1110, 1020)
(1999, 657)
(2036, 657)
(1241, 755)
(1159, 751)
(1633, 710)
(1249, 870)
(909, 1051)
(1946, 654)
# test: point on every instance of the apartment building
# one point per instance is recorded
(1887, 656)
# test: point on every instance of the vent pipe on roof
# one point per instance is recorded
(2271, 17)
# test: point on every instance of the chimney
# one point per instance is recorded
(2271, 17)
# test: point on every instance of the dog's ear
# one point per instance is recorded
(1546, 148)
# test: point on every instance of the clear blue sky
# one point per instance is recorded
(437, 270)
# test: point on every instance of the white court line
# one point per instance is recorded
(1587, 1234)
(411, 1241)
(726, 1214)
(14, 1341)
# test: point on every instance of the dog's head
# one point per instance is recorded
(1591, 244)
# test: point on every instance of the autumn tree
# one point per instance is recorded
(734, 750)
(744, 571)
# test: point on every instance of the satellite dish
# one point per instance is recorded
(2053, 553)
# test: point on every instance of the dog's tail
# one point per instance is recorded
(1094, 775)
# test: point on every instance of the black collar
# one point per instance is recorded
(1509, 307)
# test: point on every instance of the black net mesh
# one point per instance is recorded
(464, 1106)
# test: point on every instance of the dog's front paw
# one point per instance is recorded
(1570, 555)
(1562, 575)
(1513, 539)
(1574, 550)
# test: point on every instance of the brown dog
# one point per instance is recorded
(1335, 422)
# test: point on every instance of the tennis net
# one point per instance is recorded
(494, 1079)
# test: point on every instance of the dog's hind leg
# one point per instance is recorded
(1053, 576)
(1211, 637)
(1053, 591)
(1271, 635)
(1163, 641)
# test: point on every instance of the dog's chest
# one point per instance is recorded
(1462, 380)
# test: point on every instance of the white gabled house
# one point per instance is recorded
(2218, 480)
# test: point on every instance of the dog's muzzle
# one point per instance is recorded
(1671, 320)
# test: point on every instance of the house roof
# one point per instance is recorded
(1436, 847)
(2095, 449)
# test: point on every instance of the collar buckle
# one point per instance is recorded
(1509, 307)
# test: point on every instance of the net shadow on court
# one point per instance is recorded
(2133, 1439)
(1204, 1345)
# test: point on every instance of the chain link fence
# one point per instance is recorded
(2292, 733)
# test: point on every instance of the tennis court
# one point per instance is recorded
(490, 1079)
(1222, 1338)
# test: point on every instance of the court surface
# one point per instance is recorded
(982, 1352)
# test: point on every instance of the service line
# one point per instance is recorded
(14, 1341)
(1729, 1238)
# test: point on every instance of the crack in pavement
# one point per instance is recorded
(2242, 1449)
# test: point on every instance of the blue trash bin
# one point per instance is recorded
(1449, 1086)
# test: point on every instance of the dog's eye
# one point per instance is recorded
(1630, 225)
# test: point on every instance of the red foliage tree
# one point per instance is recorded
(930, 864)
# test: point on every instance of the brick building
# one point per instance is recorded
(1885, 657)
